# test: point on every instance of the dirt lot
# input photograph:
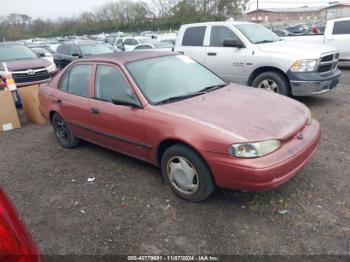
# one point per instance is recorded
(128, 210)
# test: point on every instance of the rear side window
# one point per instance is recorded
(219, 34)
(78, 80)
(194, 36)
(341, 28)
(110, 83)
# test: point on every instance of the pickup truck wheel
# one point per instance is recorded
(272, 82)
(64, 133)
(186, 173)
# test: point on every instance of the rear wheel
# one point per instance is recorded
(64, 133)
(186, 173)
(273, 82)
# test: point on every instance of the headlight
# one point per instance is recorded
(304, 66)
(51, 68)
(257, 149)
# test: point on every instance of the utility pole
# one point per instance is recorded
(257, 10)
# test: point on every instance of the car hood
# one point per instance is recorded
(25, 64)
(307, 51)
(245, 113)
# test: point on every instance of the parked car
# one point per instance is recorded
(250, 54)
(43, 53)
(155, 46)
(336, 35)
(69, 51)
(24, 65)
(170, 111)
(281, 32)
(298, 29)
(16, 244)
(129, 43)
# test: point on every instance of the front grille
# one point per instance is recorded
(24, 77)
(328, 63)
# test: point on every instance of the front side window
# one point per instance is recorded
(194, 36)
(171, 77)
(219, 34)
(73, 50)
(341, 28)
(130, 41)
(110, 83)
(78, 80)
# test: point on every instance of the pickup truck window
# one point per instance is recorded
(219, 34)
(257, 34)
(341, 28)
(194, 36)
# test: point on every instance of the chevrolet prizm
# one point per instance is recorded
(174, 113)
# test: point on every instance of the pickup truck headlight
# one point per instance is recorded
(51, 68)
(308, 65)
(253, 150)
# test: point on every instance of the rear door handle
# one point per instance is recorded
(211, 54)
(59, 101)
(94, 111)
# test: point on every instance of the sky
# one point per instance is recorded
(65, 8)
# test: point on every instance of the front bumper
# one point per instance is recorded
(268, 172)
(307, 84)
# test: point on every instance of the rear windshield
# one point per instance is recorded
(15, 52)
(95, 49)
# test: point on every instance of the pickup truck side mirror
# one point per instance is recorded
(230, 42)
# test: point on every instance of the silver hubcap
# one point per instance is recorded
(269, 85)
(182, 175)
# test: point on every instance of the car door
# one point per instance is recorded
(192, 43)
(73, 99)
(338, 37)
(117, 127)
(227, 62)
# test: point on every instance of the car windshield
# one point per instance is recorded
(257, 34)
(15, 52)
(95, 49)
(169, 78)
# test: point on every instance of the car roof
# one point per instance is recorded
(125, 57)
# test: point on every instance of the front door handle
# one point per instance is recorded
(94, 111)
(211, 54)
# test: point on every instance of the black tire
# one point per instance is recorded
(63, 132)
(278, 78)
(203, 179)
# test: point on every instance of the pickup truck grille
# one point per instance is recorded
(328, 63)
(31, 75)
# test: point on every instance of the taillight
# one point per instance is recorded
(16, 244)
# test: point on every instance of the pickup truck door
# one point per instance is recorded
(337, 35)
(227, 62)
(192, 43)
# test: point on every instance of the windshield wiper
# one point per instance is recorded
(201, 92)
(264, 41)
(177, 98)
(212, 88)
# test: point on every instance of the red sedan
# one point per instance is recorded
(170, 111)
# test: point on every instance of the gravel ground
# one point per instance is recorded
(128, 209)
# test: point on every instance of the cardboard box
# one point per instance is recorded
(30, 102)
(8, 113)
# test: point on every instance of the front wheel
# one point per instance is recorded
(186, 173)
(64, 133)
(273, 82)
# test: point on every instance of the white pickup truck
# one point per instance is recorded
(336, 34)
(250, 54)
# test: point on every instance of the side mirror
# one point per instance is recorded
(126, 101)
(42, 55)
(75, 55)
(233, 43)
